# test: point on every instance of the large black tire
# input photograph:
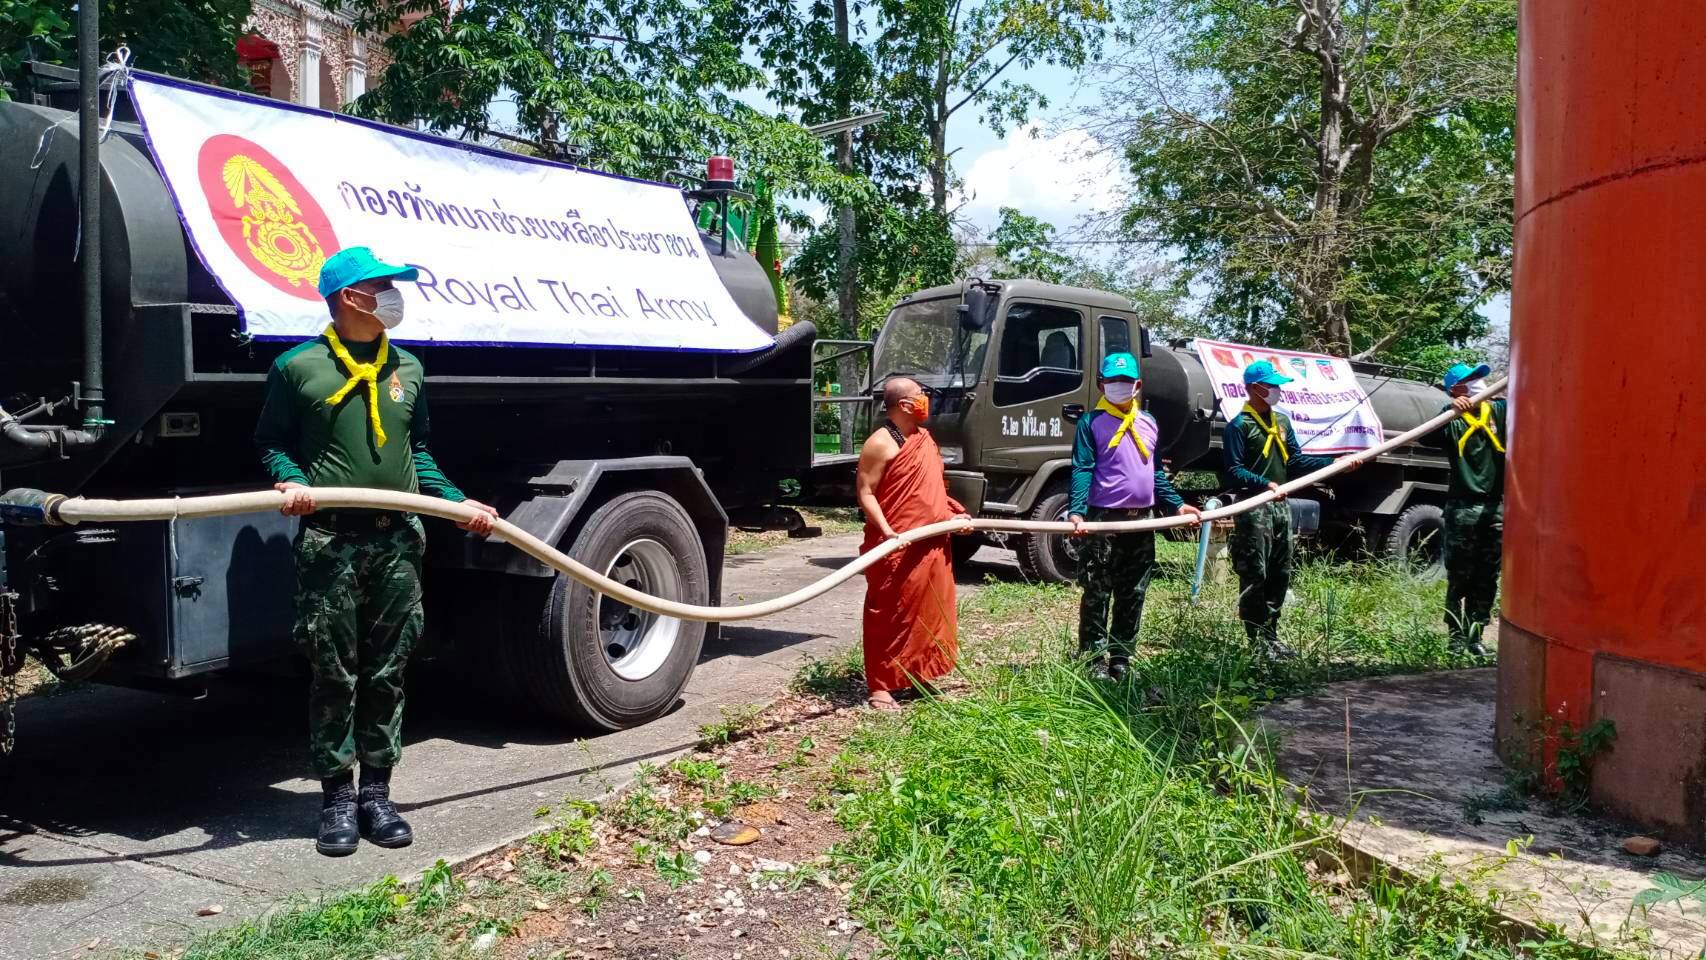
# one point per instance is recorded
(1048, 557)
(1417, 538)
(593, 661)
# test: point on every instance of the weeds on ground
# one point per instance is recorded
(736, 722)
(1045, 815)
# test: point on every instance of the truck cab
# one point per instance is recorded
(1010, 365)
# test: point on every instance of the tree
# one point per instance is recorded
(1027, 247)
(635, 87)
(936, 58)
(195, 39)
(1335, 172)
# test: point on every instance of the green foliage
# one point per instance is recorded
(1028, 247)
(1667, 888)
(637, 87)
(1047, 815)
(828, 677)
(1573, 762)
(737, 721)
(676, 869)
(569, 834)
(195, 39)
(1372, 216)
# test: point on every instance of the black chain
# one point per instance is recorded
(11, 662)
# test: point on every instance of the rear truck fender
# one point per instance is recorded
(558, 502)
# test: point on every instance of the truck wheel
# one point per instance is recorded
(593, 660)
(1049, 557)
(1417, 538)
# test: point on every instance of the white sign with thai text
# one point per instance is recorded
(511, 250)
(1328, 408)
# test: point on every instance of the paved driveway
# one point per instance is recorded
(123, 812)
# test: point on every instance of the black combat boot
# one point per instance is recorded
(380, 822)
(1117, 667)
(338, 834)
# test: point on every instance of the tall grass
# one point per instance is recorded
(1046, 815)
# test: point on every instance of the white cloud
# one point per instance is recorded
(1057, 178)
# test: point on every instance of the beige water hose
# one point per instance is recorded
(76, 510)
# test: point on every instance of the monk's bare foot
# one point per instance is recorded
(882, 700)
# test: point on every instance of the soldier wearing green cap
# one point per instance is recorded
(347, 409)
(1474, 507)
(1260, 451)
(1117, 475)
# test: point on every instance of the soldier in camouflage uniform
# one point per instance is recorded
(1474, 508)
(1260, 452)
(346, 409)
(1116, 475)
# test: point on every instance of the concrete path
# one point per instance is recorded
(1411, 770)
(122, 813)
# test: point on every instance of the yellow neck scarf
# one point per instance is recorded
(1128, 424)
(1484, 423)
(1271, 428)
(359, 373)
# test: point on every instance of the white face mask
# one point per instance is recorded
(1119, 392)
(1270, 394)
(388, 307)
(1472, 387)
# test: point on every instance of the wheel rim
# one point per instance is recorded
(1066, 550)
(637, 643)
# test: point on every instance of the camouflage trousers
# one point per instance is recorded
(358, 615)
(1115, 572)
(1474, 537)
(1261, 550)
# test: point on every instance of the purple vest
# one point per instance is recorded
(1123, 478)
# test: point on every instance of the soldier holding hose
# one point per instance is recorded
(1116, 475)
(1260, 451)
(1474, 507)
(347, 409)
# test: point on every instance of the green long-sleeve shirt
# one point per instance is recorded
(303, 439)
(1244, 465)
(1478, 473)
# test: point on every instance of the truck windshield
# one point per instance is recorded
(923, 340)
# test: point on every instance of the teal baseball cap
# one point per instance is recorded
(1120, 365)
(1263, 372)
(1460, 372)
(351, 265)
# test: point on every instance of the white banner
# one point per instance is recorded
(511, 250)
(1328, 409)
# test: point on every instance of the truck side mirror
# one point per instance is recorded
(1072, 411)
(974, 309)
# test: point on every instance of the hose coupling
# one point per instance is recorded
(26, 507)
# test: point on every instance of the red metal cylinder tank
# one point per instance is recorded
(1605, 519)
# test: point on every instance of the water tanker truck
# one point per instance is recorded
(1011, 366)
(634, 461)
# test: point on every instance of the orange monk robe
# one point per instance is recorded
(911, 630)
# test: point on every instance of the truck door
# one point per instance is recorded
(1040, 366)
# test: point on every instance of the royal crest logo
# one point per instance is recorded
(1301, 366)
(265, 215)
(1327, 369)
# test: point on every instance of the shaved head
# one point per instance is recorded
(898, 389)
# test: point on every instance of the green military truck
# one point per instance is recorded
(1010, 365)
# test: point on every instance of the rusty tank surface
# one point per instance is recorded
(1604, 611)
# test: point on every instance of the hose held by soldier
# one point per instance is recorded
(348, 409)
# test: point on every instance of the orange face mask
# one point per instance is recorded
(919, 406)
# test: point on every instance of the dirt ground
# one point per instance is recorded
(646, 895)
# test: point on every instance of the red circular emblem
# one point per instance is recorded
(264, 214)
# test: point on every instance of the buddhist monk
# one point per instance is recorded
(910, 624)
